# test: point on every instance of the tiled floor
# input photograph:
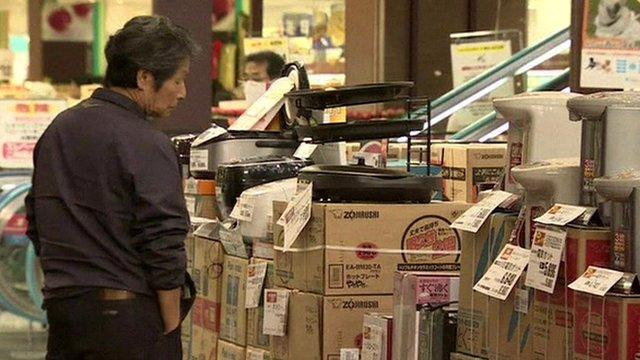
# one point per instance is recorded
(17, 341)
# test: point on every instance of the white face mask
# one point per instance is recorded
(253, 90)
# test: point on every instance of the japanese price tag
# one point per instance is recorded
(546, 254)
(209, 230)
(255, 281)
(276, 309)
(232, 241)
(243, 210)
(296, 215)
(596, 281)
(472, 219)
(304, 151)
(561, 214)
(350, 354)
(503, 274)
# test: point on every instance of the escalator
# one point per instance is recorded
(520, 63)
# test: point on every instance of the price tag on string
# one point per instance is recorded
(596, 280)
(546, 254)
(255, 281)
(503, 274)
(472, 219)
(243, 210)
(296, 215)
(276, 308)
(561, 214)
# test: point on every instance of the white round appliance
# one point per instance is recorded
(538, 128)
(623, 190)
(610, 129)
(553, 181)
(258, 230)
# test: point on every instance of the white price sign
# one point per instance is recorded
(255, 281)
(199, 160)
(546, 254)
(231, 240)
(561, 214)
(503, 274)
(276, 309)
(472, 219)
(596, 281)
(243, 210)
(305, 151)
(296, 215)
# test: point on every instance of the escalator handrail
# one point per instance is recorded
(506, 68)
(6, 199)
(488, 119)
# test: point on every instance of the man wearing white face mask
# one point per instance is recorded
(260, 69)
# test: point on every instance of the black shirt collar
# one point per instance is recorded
(118, 99)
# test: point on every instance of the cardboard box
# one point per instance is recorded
(586, 246)
(607, 328)
(510, 331)
(385, 343)
(257, 354)
(233, 327)
(205, 314)
(356, 248)
(411, 291)
(304, 333)
(255, 337)
(553, 326)
(319, 326)
(466, 167)
(200, 196)
(229, 351)
(478, 252)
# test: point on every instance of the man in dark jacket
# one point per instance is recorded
(106, 212)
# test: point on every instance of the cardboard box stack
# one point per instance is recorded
(469, 168)
(207, 276)
(488, 327)
(532, 324)
(341, 267)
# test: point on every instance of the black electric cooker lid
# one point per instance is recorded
(358, 130)
(320, 99)
(355, 170)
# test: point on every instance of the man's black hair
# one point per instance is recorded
(151, 43)
(275, 62)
